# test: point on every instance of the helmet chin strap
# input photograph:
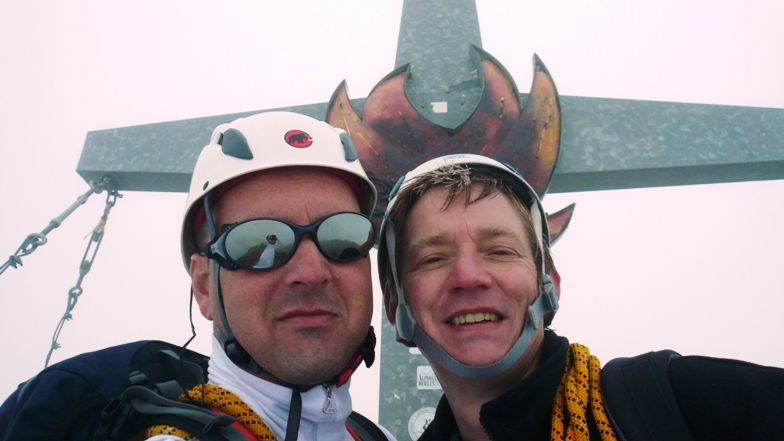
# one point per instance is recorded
(240, 357)
(546, 301)
(236, 353)
(412, 335)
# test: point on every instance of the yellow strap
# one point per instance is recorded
(227, 402)
(579, 388)
(169, 430)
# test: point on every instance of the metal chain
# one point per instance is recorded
(84, 268)
(35, 240)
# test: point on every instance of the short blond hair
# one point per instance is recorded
(456, 180)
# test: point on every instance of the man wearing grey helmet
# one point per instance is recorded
(467, 275)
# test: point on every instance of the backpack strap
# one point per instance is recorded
(156, 377)
(639, 399)
(365, 429)
(147, 408)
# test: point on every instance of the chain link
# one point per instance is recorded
(84, 267)
(35, 240)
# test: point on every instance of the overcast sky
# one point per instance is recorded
(696, 269)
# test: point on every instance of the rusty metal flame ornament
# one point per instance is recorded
(392, 137)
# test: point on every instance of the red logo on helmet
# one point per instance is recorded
(298, 139)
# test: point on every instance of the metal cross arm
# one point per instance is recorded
(606, 144)
(156, 157)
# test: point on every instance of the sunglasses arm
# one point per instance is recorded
(212, 251)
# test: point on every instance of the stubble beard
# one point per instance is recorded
(316, 358)
(307, 356)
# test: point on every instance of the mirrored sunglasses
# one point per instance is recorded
(262, 244)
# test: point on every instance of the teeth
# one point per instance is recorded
(474, 318)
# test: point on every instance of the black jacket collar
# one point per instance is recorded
(522, 412)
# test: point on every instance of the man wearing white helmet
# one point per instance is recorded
(467, 277)
(275, 238)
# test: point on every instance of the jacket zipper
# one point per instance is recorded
(328, 408)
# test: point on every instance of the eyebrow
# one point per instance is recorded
(496, 232)
(486, 232)
(429, 241)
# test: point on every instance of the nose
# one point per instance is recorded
(468, 272)
(307, 267)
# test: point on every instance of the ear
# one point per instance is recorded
(200, 283)
(390, 302)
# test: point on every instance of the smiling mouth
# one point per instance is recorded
(471, 318)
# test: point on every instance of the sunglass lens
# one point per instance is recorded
(260, 244)
(345, 236)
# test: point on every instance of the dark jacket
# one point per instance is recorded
(719, 399)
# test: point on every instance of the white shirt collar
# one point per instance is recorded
(271, 401)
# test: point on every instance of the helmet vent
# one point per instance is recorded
(233, 143)
(348, 148)
(206, 184)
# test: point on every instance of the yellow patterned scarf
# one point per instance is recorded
(579, 386)
(227, 403)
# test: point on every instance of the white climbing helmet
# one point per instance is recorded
(407, 330)
(267, 141)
